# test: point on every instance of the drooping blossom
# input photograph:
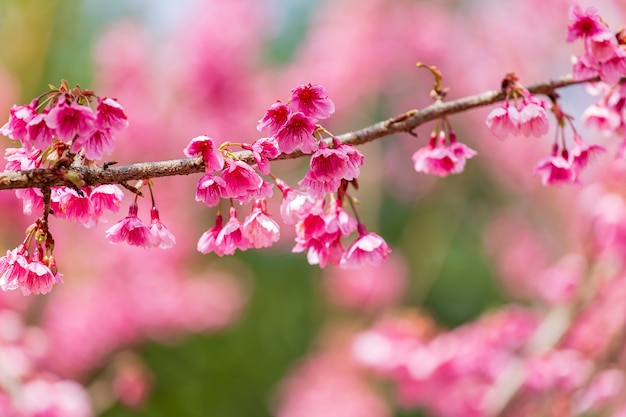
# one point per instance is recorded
(210, 189)
(318, 188)
(39, 279)
(13, 268)
(294, 204)
(207, 242)
(442, 159)
(130, 230)
(259, 228)
(106, 197)
(274, 119)
(204, 146)
(533, 119)
(68, 204)
(231, 237)
(334, 163)
(602, 117)
(582, 154)
(297, 132)
(368, 247)
(556, 169)
(71, 120)
(584, 67)
(504, 120)
(161, 236)
(110, 115)
(240, 180)
(264, 150)
(312, 100)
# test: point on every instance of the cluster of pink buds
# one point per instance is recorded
(605, 52)
(316, 209)
(31, 266)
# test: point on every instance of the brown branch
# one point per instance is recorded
(41, 178)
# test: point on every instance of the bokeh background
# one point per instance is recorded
(177, 333)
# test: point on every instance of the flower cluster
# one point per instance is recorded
(605, 53)
(528, 116)
(442, 157)
(31, 266)
(320, 226)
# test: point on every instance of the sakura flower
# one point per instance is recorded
(130, 230)
(318, 188)
(161, 236)
(328, 163)
(106, 197)
(207, 242)
(231, 237)
(533, 120)
(39, 279)
(582, 154)
(503, 120)
(96, 145)
(22, 159)
(39, 133)
(584, 23)
(13, 268)
(601, 117)
(110, 115)
(71, 120)
(294, 204)
(601, 46)
(259, 228)
(441, 159)
(338, 221)
(584, 67)
(274, 119)
(614, 68)
(264, 150)
(240, 180)
(16, 127)
(68, 204)
(369, 247)
(297, 132)
(32, 199)
(312, 100)
(556, 169)
(210, 189)
(205, 146)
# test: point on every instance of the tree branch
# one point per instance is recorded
(41, 178)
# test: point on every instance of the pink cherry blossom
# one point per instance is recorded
(161, 236)
(601, 46)
(106, 197)
(533, 120)
(369, 247)
(274, 119)
(441, 159)
(110, 115)
(338, 221)
(556, 169)
(614, 68)
(96, 145)
(584, 23)
(264, 150)
(210, 189)
(39, 279)
(207, 242)
(71, 120)
(259, 228)
(231, 237)
(332, 163)
(32, 200)
(68, 204)
(39, 133)
(13, 268)
(602, 118)
(318, 188)
(297, 132)
(240, 180)
(312, 100)
(22, 158)
(63, 398)
(582, 154)
(20, 116)
(205, 146)
(503, 121)
(130, 230)
(294, 204)
(584, 67)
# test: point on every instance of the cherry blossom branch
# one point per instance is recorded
(407, 122)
